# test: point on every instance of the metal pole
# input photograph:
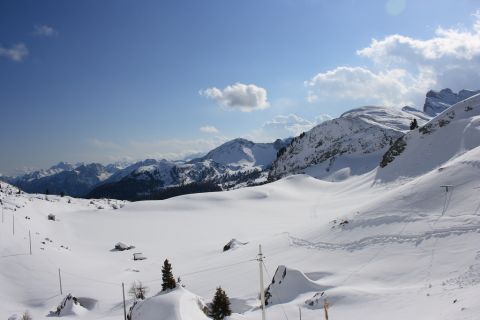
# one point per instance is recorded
(13, 223)
(124, 307)
(30, 240)
(60, 281)
(262, 290)
(300, 312)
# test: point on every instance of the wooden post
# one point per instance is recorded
(30, 241)
(325, 308)
(60, 281)
(124, 307)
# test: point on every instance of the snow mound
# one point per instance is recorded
(70, 306)
(177, 304)
(287, 284)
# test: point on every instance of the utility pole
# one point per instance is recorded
(30, 240)
(60, 281)
(124, 307)
(262, 290)
(325, 308)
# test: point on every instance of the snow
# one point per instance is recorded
(350, 145)
(450, 134)
(173, 305)
(384, 243)
(242, 152)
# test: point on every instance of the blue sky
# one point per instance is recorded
(114, 79)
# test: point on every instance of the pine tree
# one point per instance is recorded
(413, 124)
(220, 305)
(167, 276)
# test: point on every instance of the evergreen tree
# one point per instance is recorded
(413, 124)
(167, 276)
(220, 305)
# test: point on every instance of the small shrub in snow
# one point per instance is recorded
(220, 305)
(138, 291)
(168, 281)
(26, 316)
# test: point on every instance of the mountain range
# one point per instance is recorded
(352, 144)
(397, 242)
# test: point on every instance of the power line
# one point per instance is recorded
(206, 270)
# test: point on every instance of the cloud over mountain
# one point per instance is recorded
(402, 68)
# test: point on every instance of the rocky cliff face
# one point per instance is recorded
(438, 101)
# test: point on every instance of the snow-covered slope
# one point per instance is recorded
(438, 101)
(349, 145)
(451, 134)
(383, 249)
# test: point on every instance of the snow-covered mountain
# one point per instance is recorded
(350, 145)
(234, 164)
(449, 135)
(242, 153)
(64, 178)
(438, 101)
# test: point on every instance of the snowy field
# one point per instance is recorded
(409, 249)
(391, 243)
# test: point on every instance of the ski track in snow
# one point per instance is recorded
(384, 239)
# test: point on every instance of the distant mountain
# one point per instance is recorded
(352, 144)
(64, 178)
(236, 163)
(242, 153)
(438, 101)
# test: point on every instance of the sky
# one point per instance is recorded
(102, 81)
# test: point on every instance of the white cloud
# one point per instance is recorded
(392, 87)
(209, 129)
(284, 126)
(44, 30)
(170, 149)
(239, 96)
(404, 68)
(17, 52)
